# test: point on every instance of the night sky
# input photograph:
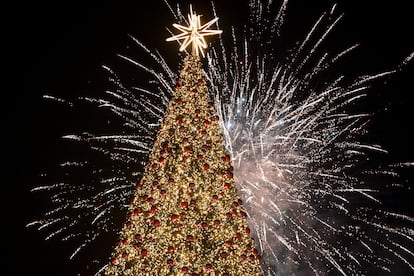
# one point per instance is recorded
(59, 49)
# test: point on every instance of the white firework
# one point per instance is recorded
(298, 158)
(299, 161)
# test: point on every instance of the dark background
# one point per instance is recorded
(58, 48)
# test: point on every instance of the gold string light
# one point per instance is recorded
(186, 217)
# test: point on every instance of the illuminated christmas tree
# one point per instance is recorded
(186, 216)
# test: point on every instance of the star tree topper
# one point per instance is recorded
(194, 33)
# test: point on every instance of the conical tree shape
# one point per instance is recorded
(186, 216)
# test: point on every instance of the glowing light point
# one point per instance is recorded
(194, 34)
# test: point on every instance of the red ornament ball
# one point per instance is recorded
(175, 217)
(170, 262)
(229, 174)
(154, 209)
(226, 158)
(137, 211)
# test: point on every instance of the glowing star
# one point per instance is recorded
(194, 33)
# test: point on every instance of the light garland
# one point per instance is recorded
(186, 217)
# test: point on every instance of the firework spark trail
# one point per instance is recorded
(141, 111)
(295, 148)
(291, 155)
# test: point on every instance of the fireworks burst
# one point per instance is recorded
(300, 163)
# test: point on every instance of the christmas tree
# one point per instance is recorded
(186, 216)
